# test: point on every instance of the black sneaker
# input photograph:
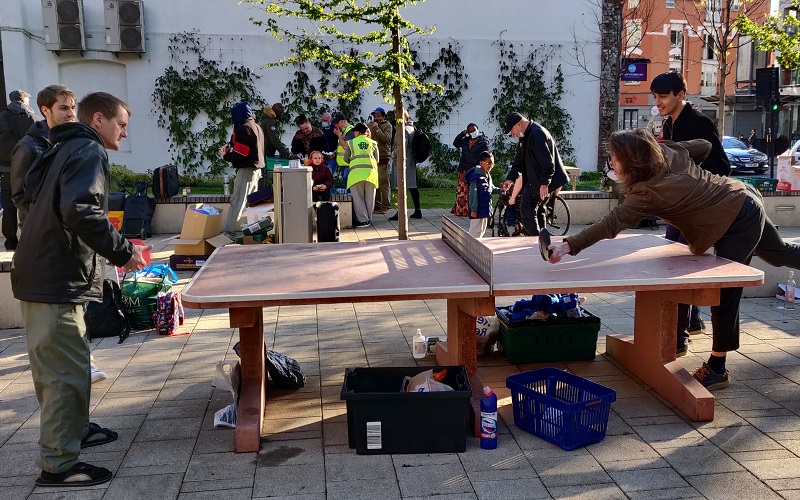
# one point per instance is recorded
(81, 474)
(682, 351)
(696, 328)
(710, 379)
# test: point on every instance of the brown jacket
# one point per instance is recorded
(702, 205)
(382, 134)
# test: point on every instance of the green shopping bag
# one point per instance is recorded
(139, 296)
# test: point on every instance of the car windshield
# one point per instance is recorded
(731, 143)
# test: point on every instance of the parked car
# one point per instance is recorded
(744, 158)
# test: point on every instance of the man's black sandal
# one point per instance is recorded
(81, 474)
(98, 435)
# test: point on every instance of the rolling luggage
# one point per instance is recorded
(165, 181)
(327, 221)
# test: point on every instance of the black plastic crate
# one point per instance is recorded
(383, 420)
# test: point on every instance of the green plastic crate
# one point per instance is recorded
(547, 340)
(763, 184)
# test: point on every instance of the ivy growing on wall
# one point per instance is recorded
(430, 109)
(523, 87)
(192, 102)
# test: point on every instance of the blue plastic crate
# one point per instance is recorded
(560, 407)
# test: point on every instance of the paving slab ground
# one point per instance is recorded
(159, 397)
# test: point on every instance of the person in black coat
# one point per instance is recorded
(308, 138)
(14, 124)
(471, 144)
(540, 165)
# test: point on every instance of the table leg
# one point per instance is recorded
(650, 353)
(250, 411)
(459, 349)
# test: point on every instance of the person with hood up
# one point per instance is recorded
(245, 152)
(480, 192)
(14, 123)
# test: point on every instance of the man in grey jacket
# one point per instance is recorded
(14, 123)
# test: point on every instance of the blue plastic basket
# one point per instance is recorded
(559, 407)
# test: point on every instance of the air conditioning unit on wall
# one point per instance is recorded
(124, 25)
(63, 24)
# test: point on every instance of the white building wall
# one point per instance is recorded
(473, 24)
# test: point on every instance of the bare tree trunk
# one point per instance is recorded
(400, 157)
(721, 104)
(610, 55)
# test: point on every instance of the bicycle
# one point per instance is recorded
(553, 210)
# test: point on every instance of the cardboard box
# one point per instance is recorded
(199, 246)
(199, 226)
(254, 214)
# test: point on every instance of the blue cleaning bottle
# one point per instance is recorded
(488, 419)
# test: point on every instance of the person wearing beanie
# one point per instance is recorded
(14, 124)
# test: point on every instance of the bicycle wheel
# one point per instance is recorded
(499, 227)
(556, 215)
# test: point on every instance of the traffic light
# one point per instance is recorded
(774, 106)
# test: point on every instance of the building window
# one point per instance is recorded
(708, 47)
(632, 4)
(630, 118)
(735, 5)
(633, 32)
(670, 4)
(713, 8)
(676, 38)
(709, 79)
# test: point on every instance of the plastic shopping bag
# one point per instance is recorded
(228, 376)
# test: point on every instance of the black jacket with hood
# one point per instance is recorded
(692, 124)
(61, 254)
(30, 147)
(14, 123)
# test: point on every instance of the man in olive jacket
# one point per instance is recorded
(59, 266)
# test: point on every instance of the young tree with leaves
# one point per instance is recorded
(380, 54)
(779, 34)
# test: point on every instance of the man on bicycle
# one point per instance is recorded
(538, 162)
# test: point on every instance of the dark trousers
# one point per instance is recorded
(530, 200)
(9, 212)
(687, 315)
(752, 233)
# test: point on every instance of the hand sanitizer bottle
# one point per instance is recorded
(418, 345)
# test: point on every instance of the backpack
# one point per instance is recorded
(165, 181)
(169, 313)
(138, 213)
(420, 146)
(107, 319)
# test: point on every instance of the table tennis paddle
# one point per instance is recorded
(544, 242)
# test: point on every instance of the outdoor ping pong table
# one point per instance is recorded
(468, 273)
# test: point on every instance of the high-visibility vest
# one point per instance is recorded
(363, 165)
(340, 149)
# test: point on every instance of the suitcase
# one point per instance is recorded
(327, 221)
(165, 181)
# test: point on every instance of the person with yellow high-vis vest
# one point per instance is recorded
(361, 153)
(341, 128)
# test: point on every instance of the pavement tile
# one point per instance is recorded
(647, 479)
(220, 466)
(218, 485)
(433, 480)
(696, 460)
(289, 480)
(623, 447)
(138, 487)
(172, 454)
(511, 489)
(166, 429)
(608, 491)
(570, 469)
(739, 438)
(292, 452)
(349, 467)
(731, 485)
(778, 468)
(230, 494)
(364, 489)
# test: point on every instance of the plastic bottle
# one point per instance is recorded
(488, 419)
(790, 284)
(225, 185)
(418, 345)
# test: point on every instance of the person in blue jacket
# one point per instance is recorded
(479, 195)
